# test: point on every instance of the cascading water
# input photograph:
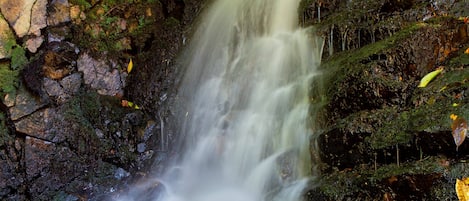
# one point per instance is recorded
(244, 105)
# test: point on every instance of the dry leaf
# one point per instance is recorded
(459, 130)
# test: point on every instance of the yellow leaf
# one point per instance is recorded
(429, 77)
(130, 66)
(462, 189)
(467, 51)
(453, 116)
(455, 105)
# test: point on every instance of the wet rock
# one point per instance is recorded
(25, 104)
(60, 12)
(6, 37)
(100, 76)
(121, 173)
(149, 130)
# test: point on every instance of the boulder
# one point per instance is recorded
(18, 14)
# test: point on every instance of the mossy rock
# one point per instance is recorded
(407, 181)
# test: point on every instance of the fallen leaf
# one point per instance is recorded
(126, 103)
(459, 130)
(429, 77)
(130, 66)
(462, 189)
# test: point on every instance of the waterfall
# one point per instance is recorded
(243, 105)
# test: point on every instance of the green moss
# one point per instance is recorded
(8, 78)
(18, 58)
(345, 59)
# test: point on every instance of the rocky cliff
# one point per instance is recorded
(382, 137)
(66, 129)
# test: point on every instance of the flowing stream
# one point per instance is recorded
(244, 106)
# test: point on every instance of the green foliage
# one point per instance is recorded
(18, 58)
(8, 78)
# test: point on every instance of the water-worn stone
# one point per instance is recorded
(6, 39)
(100, 76)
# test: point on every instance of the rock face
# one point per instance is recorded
(64, 134)
(383, 137)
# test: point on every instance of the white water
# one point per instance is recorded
(244, 105)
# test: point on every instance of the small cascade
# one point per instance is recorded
(244, 107)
